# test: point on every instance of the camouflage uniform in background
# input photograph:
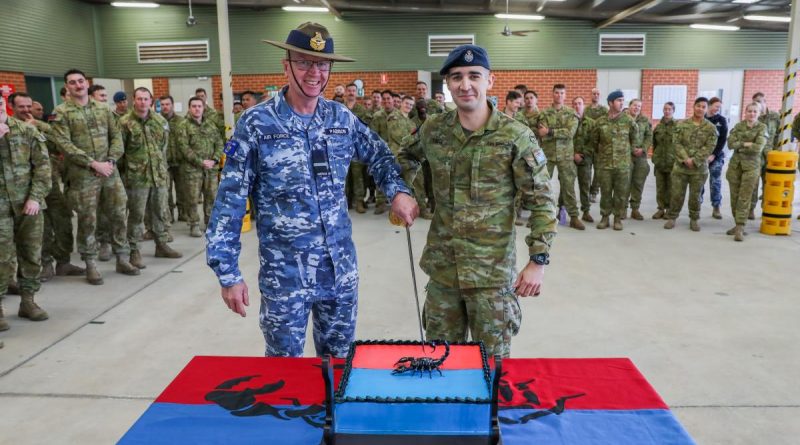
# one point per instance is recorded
(796, 129)
(173, 165)
(582, 143)
(357, 189)
(745, 166)
(400, 130)
(196, 142)
(640, 168)
(614, 140)
(594, 113)
(308, 260)
(558, 147)
(773, 122)
(531, 117)
(103, 231)
(431, 105)
(25, 175)
(470, 255)
(664, 161)
(695, 141)
(380, 125)
(145, 176)
(86, 134)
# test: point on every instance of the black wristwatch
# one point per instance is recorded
(541, 259)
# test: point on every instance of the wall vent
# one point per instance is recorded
(172, 52)
(441, 45)
(621, 44)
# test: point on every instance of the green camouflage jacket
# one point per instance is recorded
(146, 144)
(379, 125)
(645, 132)
(56, 157)
(471, 242)
(563, 124)
(197, 142)
(664, 144)
(173, 154)
(773, 122)
(696, 142)
(748, 157)
(84, 135)
(361, 112)
(25, 167)
(613, 141)
(583, 137)
(595, 112)
(400, 130)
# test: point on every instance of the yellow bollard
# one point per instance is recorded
(776, 218)
(246, 224)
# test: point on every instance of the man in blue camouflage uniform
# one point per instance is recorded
(291, 156)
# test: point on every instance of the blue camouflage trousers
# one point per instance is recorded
(715, 181)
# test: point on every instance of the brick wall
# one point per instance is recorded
(650, 78)
(769, 82)
(160, 86)
(15, 78)
(578, 83)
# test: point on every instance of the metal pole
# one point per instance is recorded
(225, 65)
(790, 79)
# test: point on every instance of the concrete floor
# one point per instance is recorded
(711, 323)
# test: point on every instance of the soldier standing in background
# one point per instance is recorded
(512, 104)
(145, 135)
(583, 156)
(356, 175)
(120, 104)
(209, 113)
(401, 130)
(664, 158)
(556, 127)
(24, 182)
(200, 147)
(747, 142)
(694, 141)
(640, 168)
(86, 132)
(594, 111)
(470, 254)
(773, 122)
(98, 93)
(615, 136)
(379, 125)
(103, 231)
(531, 112)
(173, 160)
(717, 158)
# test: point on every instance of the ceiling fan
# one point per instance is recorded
(507, 32)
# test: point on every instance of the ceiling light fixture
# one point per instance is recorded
(519, 16)
(768, 18)
(746, 2)
(305, 8)
(714, 27)
(134, 5)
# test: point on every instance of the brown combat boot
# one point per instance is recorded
(105, 252)
(694, 225)
(48, 272)
(617, 223)
(92, 275)
(738, 233)
(136, 260)
(635, 214)
(194, 231)
(659, 214)
(716, 214)
(603, 223)
(29, 309)
(69, 269)
(126, 268)
(380, 208)
(360, 207)
(148, 236)
(732, 230)
(576, 223)
(3, 323)
(670, 224)
(587, 217)
(164, 251)
(13, 289)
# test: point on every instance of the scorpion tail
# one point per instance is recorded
(446, 351)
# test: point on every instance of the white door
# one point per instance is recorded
(629, 81)
(182, 89)
(727, 85)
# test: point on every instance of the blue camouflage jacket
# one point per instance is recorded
(295, 174)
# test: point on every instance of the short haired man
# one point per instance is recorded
(531, 111)
(481, 162)
(431, 105)
(439, 97)
(596, 109)
(695, 139)
(773, 122)
(717, 159)
(583, 156)
(307, 256)
(120, 104)
(209, 113)
(380, 126)
(37, 110)
(338, 93)
(640, 167)
(98, 93)
(87, 133)
(174, 160)
(664, 158)
(512, 104)
(356, 176)
(237, 107)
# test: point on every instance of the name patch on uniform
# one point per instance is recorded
(231, 147)
(540, 157)
(337, 131)
(268, 137)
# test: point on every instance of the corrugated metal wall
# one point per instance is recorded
(47, 37)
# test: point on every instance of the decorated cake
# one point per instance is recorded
(394, 392)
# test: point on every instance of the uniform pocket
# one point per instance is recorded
(512, 310)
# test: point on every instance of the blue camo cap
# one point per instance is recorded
(465, 55)
(119, 96)
(614, 95)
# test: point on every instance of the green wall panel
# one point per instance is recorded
(47, 37)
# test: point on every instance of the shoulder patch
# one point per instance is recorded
(231, 147)
(539, 156)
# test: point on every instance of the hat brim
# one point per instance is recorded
(286, 46)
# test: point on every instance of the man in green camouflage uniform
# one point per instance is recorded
(200, 147)
(173, 159)
(664, 158)
(85, 131)
(695, 139)
(773, 122)
(594, 111)
(356, 174)
(401, 128)
(103, 231)
(640, 168)
(556, 127)
(480, 160)
(209, 113)
(379, 125)
(24, 183)
(57, 240)
(145, 135)
(583, 156)
(747, 140)
(614, 138)
(531, 111)
(431, 105)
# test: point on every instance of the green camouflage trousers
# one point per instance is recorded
(150, 203)
(680, 181)
(174, 183)
(199, 182)
(491, 315)
(741, 182)
(103, 231)
(763, 182)
(640, 168)
(357, 189)
(585, 182)
(663, 185)
(567, 172)
(614, 185)
(57, 240)
(20, 250)
(87, 195)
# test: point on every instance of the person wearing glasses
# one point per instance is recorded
(290, 155)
